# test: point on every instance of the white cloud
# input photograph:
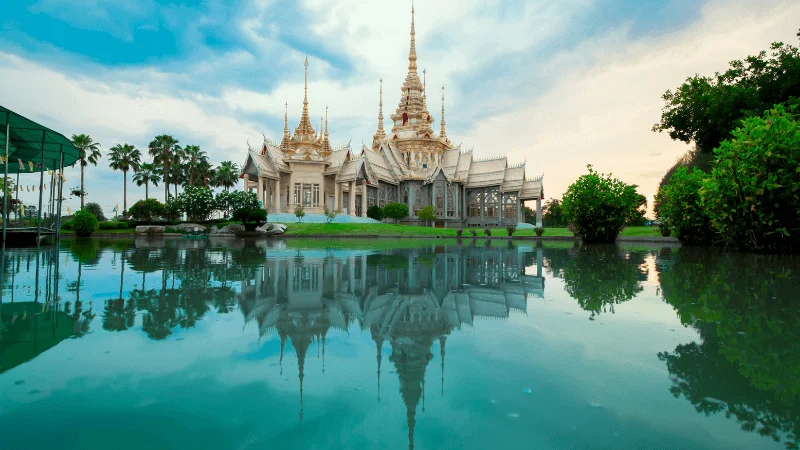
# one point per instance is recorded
(596, 102)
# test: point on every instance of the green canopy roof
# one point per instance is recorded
(26, 144)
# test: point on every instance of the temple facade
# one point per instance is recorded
(411, 164)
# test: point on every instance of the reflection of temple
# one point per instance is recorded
(412, 299)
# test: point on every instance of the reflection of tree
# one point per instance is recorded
(748, 365)
(601, 276)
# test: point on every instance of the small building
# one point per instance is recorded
(411, 164)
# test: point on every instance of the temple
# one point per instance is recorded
(411, 164)
(410, 300)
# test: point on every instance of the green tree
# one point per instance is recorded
(299, 212)
(753, 194)
(163, 149)
(375, 212)
(195, 159)
(146, 210)
(227, 175)
(552, 214)
(89, 152)
(395, 211)
(427, 214)
(97, 210)
(598, 206)
(680, 208)
(704, 110)
(125, 157)
(146, 175)
(196, 202)
(84, 223)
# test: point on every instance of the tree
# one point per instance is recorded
(753, 194)
(146, 210)
(146, 175)
(195, 157)
(97, 210)
(598, 206)
(330, 215)
(125, 157)
(229, 201)
(553, 214)
(227, 175)
(196, 202)
(299, 212)
(680, 208)
(163, 149)
(89, 152)
(395, 211)
(704, 110)
(530, 215)
(427, 214)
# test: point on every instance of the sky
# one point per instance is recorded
(558, 85)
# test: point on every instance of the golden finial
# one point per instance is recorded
(443, 133)
(412, 56)
(326, 122)
(380, 112)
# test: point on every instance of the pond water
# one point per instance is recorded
(361, 344)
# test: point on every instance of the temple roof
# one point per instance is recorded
(489, 172)
(531, 190)
(380, 167)
(514, 177)
(350, 170)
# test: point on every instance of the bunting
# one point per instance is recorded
(21, 164)
(30, 165)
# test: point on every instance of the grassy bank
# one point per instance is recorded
(388, 230)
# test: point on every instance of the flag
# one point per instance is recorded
(30, 164)
(21, 165)
(22, 210)
(2, 159)
(69, 211)
(116, 208)
(63, 178)
(27, 188)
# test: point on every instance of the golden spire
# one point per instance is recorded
(286, 136)
(326, 150)
(443, 133)
(320, 127)
(304, 128)
(425, 89)
(381, 132)
(412, 55)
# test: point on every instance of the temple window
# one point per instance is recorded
(297, 190)
(474, 204)
(509, 206)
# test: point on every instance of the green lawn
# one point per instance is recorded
(388, 230)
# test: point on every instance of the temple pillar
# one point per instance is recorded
(351, 285)
(539, 262)
(364, 198)
(260, 191)
(364, 275)
(290, 196)
(410, 199)
(246, 183)
(520, 216)
(351, 207)
(539, 211)
(446, 188)
(337, 192)
(277, 206)
(500, 208)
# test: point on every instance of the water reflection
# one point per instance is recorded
(744, 364)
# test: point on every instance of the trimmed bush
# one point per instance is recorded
(511, 229)
(299, 212)
(108, 225)
(539, 231)
(680, 209)
(375, 212)
(487, 231)
(172, 210)
(599, 206)
(753, 194)
(229, 201)
(146, 210)
(84, 223)
(395, 211)
(460, 232)
(427, 214)
(197, 202)
(241, 215)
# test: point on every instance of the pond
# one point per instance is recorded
(427, 344)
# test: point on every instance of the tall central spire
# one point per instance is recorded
(412, 55)
(304, 130)
(442, 132)
(380, 113)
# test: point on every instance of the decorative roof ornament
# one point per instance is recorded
(442, 132)
(425, 89)
(326, 144)
(304, 130)
(286, 136)
(380, 134)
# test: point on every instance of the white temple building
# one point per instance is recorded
(411, 164)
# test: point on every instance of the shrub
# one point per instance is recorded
(229, 201)
(299, 212)
(95, 209)
(511, 229)
(539, 231)
(67, 225)
(460, 232)
(146, 210)
(487, 231)
(395, 211)
(197, 202)
(599, 206)
(257, 215)
(330, 215)
(84, 223)
(427, 214)
(375, 212)
(474, 233)
(241, 215)
(680, 209)
(108, 225)
(172, 210)
(752, 194)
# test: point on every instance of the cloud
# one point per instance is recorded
(559, 84)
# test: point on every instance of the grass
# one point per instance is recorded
(390, 230)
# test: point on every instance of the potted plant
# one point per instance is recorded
(511, 229)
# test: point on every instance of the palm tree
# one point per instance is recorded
(227, 175)
(147, 173)
(89, 153)
(125, 157)
(163, 149)
(194, 158)
(179, 171)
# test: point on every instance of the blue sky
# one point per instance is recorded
(557, 84)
